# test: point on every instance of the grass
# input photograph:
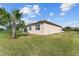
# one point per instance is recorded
(62, 44)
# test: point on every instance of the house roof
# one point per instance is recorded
(44, 21)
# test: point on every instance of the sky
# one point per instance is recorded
(64, 14)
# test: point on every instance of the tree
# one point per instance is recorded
(11, 20)
(20, 25)
(76, 29)
(5, 18)
(2, 15)
(68, 28)
(16, 17)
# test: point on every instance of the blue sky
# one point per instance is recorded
(64, 14)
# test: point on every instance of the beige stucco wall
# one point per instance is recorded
(45, 29)
(34, 31)
(51, 29)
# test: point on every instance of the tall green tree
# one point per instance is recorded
(10, 19)
(2, 15)
(16, 17)
(5, 18)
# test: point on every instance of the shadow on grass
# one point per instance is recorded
(21, 34)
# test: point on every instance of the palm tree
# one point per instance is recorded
(11, 19)
(16, 16)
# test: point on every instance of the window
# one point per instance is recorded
(30, 28)
(37, 26)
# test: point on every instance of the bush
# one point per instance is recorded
(67, 28)
(1, 29)
(71, 28)
(76, 29)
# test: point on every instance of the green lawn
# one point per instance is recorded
(66, 43)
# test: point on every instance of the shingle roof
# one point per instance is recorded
(44, 21)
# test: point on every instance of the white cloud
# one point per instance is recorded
(49, 20)
(72, 24)
(32, 15)
(36, 8)
(66, 7)
(27, 20)
(31, 10)
(26, 10)
(51, 14)
(63, 13)
(29, 6)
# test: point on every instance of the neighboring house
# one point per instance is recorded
(43, 28)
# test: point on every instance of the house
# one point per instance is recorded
(43, 28)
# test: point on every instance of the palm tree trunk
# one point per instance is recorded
(13, 30)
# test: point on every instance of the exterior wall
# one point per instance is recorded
(34, 31)
(51, 29)
(45, 29)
